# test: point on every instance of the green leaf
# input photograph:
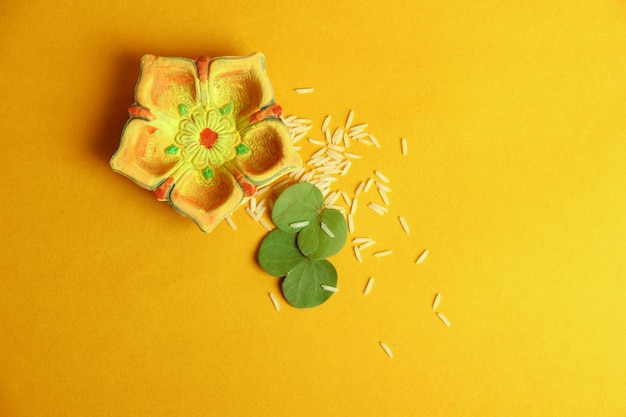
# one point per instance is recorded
(302, 287)
(279, 253)
(298, 203)
(316, 243)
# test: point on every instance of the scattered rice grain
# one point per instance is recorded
(383, 196)
(352, 155)
(298, 225)
(358, 134)
(275, 302)
(335, 155)
(259, 211)
(367, 244)
(346, 198)
(329, 288)
(436, 302)
(368, 184)
(377, 208)
(349, 119)
(327, 230)
(319, 152)
(346, 168)
(332, 197)
(326, 123)
(405, 147)
(386, 349)
(357, 253)
(316, 142)
(374, 140)
(298, 137)
(383, 253)
(265, 224)
(341, 209)
(368, 287)
(444, 319)
(383, 186)
(355, 203)
(422, 257)
(298, 173)
(382, 176)
(360, 188)
(252, 215)
(282, 184)
(300, 129)
(263, 190)
(337, 136)
(230, 222)
(356, 128)
(404, 224)
(304, 90)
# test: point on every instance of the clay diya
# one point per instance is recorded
(204, 134)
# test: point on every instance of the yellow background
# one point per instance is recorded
(111, 304)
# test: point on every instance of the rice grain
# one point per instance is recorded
(367, 244)
(377, 208)
(383, 196)
(382, 176)
(327, 230)
(355, 203)
(265, 224)
(349, 119)
(304, 90)
(275, 302)
(404, 224)
(444, 319)
(368, 287)
(316, 142)
(357, 253)
(361, 126)
(386, 349)
(230, 222)
(299, 225)
(422, 257)
(437, 301)
(326, 123)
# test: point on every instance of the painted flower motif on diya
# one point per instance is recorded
(204, 134)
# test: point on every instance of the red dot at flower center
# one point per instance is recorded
(208, 138)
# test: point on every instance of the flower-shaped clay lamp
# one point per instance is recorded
(204, 134)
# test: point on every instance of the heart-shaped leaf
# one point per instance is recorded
(279, 253)
(298, 204)
(324, 236)
(302, 287)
